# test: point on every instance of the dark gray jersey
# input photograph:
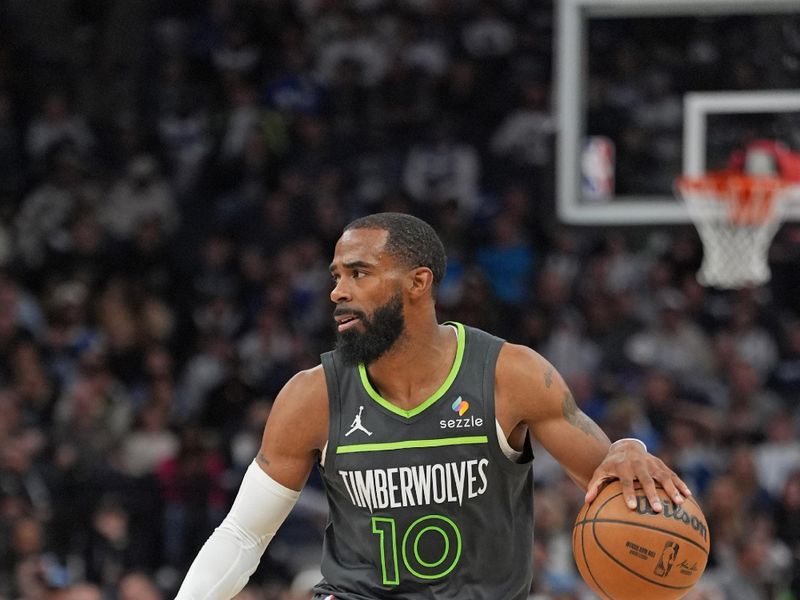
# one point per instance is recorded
(423, 503)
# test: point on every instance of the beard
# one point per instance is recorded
(379, 334)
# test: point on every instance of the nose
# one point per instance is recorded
(340, 293)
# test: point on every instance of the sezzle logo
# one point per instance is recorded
(460, 406)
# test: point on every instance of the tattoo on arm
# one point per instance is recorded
(577, 418)
(262, 459)
(548, 377)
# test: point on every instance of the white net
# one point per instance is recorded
(737, 218)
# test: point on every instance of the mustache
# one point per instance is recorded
(347, 311)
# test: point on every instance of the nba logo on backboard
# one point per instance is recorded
(597, 169)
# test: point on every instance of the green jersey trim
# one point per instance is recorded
(435, 443)
(362, 371)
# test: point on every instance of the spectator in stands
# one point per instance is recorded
(84, 591)
(753, 343)
(673, 343)
(137, 586)
(441, 169)
(93, 414)
(778, 456)
(150, 442)
(749, 405)
(193, 496)
(42, 222)
(111, 548)
(787, 524)
(56, 125)
(524, 141)
(142, 194)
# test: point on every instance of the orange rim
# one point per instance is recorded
(750, 199)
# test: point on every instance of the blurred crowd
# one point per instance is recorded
(173, 176)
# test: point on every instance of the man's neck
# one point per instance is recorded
(416, 367)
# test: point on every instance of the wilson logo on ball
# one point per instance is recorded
(672, 511)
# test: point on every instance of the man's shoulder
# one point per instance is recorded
(310, 376)
(305, 394)
(307, 387)
(523, 370)
(528, 383)
(518, 356)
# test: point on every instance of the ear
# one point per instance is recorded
(420, 283)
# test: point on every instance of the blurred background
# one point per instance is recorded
(174, 175)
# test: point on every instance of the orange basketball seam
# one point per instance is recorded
(651, 527)
(589, 568)
(600, 588)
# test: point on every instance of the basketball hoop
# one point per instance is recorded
(736, 216)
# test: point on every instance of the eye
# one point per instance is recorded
(358, 274)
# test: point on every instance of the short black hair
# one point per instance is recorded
(411, 240)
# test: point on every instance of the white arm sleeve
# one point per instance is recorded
(231, 554)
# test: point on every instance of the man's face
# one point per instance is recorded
(369, 302)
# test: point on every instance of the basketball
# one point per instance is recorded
(624, 554)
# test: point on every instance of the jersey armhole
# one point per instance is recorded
(502, 440)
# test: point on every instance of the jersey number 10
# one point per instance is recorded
(408, 548)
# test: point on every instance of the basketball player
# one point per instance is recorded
(421, 431)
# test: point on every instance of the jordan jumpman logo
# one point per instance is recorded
(357, 424)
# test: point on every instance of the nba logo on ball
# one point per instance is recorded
(667, 559)
(625, 554)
